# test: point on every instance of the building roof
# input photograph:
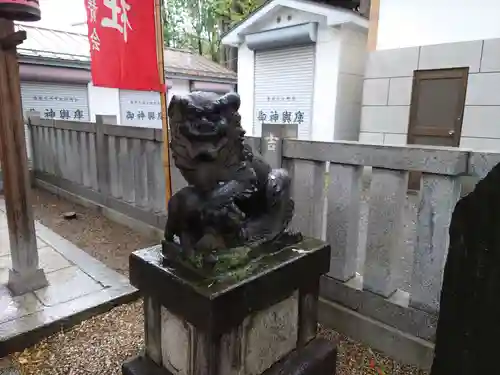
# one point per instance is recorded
(335, 15)
(61, 46)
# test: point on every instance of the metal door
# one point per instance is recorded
(436, 112)
(56, 100)
(437, 107)
(284, 88)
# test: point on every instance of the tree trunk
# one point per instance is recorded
(223, 55)
(233, 59)
(233, 51)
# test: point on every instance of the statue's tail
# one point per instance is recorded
(279, 197)
(279, 210)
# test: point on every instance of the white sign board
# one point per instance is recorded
(56, 101)
(140, 108)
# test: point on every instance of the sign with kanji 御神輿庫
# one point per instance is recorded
(122, 39)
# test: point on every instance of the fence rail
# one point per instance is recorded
(388, 247)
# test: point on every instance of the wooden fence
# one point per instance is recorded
(388, 247)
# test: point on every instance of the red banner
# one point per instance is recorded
(122, 41)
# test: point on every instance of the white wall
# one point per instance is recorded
(388, 88)
(352, 63)
(288, 17)
(106, 101)
(246, 72)
(179, 87)
(73, 11)
(103, 101)
(327, 67)
(408, 23)
(325, 83)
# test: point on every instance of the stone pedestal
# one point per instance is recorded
(259, 320)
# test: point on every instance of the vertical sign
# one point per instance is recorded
(122, 39)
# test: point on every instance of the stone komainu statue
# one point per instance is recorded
(234, 198)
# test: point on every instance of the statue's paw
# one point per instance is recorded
(209, 243)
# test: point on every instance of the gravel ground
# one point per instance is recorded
(99, 345)
(104, 239)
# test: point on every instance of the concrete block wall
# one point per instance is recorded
(388, 84)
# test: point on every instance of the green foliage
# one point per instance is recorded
(173, 24)
(236, 10)
(198, 25)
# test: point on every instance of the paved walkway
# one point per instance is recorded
(79, 286)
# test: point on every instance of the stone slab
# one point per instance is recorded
(5, 242)
(65, 285)
(221, 307)
(478, 121)
(270, 335)
(490, 60)
(385, 119)
(262, 339)
(401, 62)
(79, 287)
(400, 91)
(482, 89)
(375, 91)
(319, 357)
(85, 262)
(20, 333)
(451, 55)
(50, 261)
(17, 307)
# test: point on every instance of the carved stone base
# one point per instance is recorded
(263, 318)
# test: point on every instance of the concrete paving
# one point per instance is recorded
(79, 286)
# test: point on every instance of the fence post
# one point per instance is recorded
(33, 118)
(438, 197)
(344, 196)
(308, 192)
(384, 230)
(101, 150)
(271, 144)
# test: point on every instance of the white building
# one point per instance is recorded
(301, 63)
(56, 81)
(433, 74)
